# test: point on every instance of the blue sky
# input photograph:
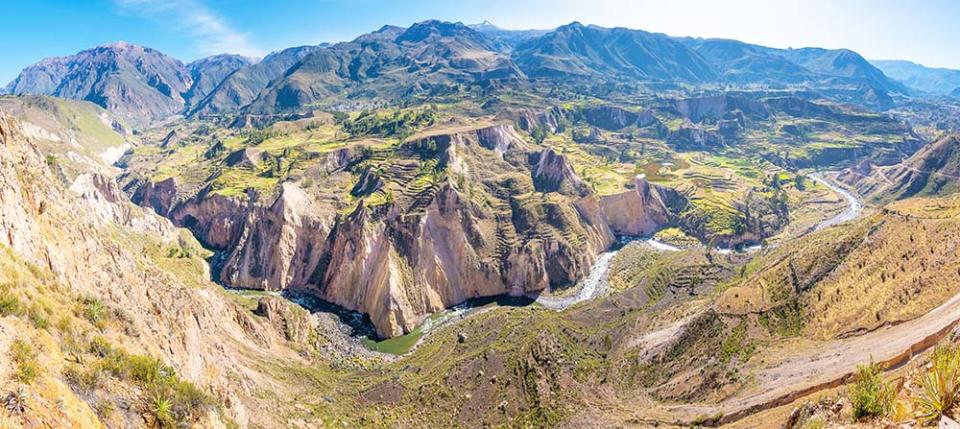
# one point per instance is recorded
(923, 31)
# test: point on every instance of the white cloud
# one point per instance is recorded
(210, 32)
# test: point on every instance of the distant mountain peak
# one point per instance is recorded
(485, 26)
(120, 44)
(434, 28)
(388, 28)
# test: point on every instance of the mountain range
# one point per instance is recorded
(144, 85)
(938, 81)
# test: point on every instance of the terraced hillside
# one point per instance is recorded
(282, 203)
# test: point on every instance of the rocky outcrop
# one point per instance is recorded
(732, 124)
(292, 321)
(246, 157)
(160, 196)
(528, 120)
(610, 117)
(103, 198)
(643, 210)
(16, 231)
(498, 138)
(695, 137)
(368, 183)
(279, 246)
(552, 173)
(699, 109)
(399, 268)
(216, 220)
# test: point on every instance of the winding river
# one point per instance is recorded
(854, 206)
(595, 284)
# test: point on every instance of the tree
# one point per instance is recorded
(799, 183)
(340, 117)
(539, 134)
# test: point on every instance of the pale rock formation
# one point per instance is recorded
(641, 211)
(280, 245)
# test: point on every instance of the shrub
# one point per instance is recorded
(815, 423)
(939, 386)
(170, 401)
(65, 324)
(16, 401)
(161, 409)
(871, 395)
(100, 347)
(25, 357)
(38, 317)
(104, 409)
(9, 303)
(83, 379)
(147, 369)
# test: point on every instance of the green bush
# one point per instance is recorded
(9, 303)
(171, 402)
(83, 379)
(161, 409)
(24, 357)
(38, 317)
(871, 395)
(100, 347)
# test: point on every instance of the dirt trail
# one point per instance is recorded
(830, 365)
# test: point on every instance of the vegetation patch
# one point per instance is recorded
(871, 396)
(25, 358)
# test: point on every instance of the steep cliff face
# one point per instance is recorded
(450, 215)
(643, 210)
(279, 246)
(552, 173)
(16, 231)
(419, 254)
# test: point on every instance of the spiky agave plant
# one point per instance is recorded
(161, 409)
(939, 386)
(16, 401)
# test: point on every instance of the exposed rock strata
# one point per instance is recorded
(495, 219)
